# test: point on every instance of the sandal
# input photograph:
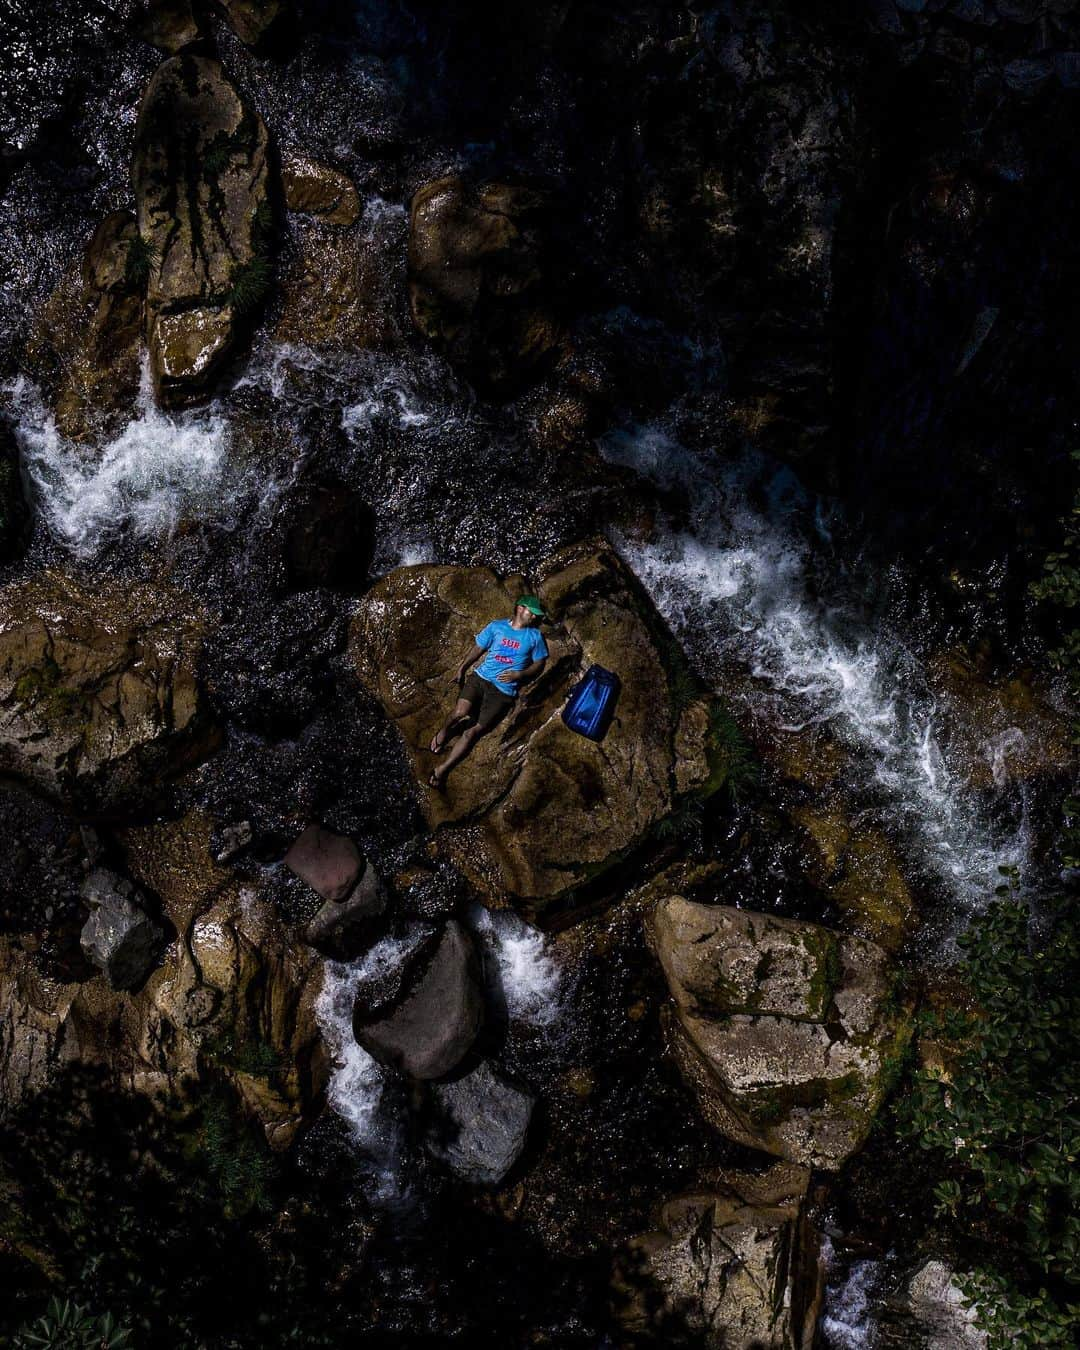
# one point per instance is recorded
(438, 782)
(438, 742)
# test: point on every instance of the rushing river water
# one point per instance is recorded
(766, 583)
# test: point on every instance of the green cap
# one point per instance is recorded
(533, 605)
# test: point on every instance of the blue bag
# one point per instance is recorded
(591, 704)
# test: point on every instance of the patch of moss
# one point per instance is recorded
(824, 950)
(41, 687)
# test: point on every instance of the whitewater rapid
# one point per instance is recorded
(741, 583)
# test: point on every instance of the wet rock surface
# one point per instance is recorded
(119, 938)
(432, 1028)
(657, 272)
(475, 273)
(201, 179)
(99, 694)
(480, 1125)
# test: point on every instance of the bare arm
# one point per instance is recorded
(472, 658)
(525, 675)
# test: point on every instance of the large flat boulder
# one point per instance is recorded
(201, 177)
(732, 1269)
(536, 809)
(99, 698)
(788, 1033)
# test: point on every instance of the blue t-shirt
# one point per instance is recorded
(508, 648)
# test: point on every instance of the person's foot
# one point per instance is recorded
(438, 742)
(437, 781)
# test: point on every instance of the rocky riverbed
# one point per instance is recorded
(741, 335)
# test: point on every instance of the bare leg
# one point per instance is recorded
(462, 709)
(465, 743)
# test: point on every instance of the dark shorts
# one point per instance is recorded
(489, 704)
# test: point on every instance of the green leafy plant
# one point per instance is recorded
(249, 285)
(737, 760)
(683, 822)
(240, 1169)
(70, 1326)
(141, 259)
(1003, 1118)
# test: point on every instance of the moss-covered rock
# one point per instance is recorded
(201, 176)
(535, 809)
(789, 1033)
(99, 700)
(737, 1268)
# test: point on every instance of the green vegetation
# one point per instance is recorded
(1003, 1121)
(1059, 588)
(141, 259)
(159, 1229)
(249, 285)
(42, 686)
(70, 1326)
(731, 754)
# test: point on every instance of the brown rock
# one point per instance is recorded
(340, 293)
(253, 21)
(476, 278)
(99, 701)
(539, 809)
(201, 181)
(171, 25)
(86, 343)
(330, 863)
(787, 1032)
(1001, 729)
(733, 1269)
(233, 996)
(318, 190)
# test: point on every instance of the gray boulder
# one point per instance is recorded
(430, 1031)
(341, 926)
(119, 937)
(929, 1312)
(480, 1125)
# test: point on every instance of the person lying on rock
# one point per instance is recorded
(514, 652)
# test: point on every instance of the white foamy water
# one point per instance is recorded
(532, 980)
(741, 589)
(160, 468)
(848, 1320)
(358, 1085)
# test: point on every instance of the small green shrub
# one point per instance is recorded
(141, 259)
(738, 763)
(249, 285)
(1004, 1123)
(70, 1326)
